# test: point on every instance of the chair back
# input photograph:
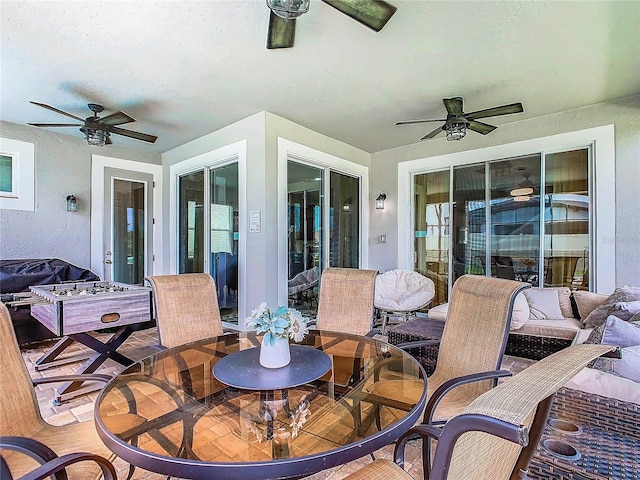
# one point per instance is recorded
(186, 308)
(479, 454)
(476, 331)
(19, 410)
(345, 302)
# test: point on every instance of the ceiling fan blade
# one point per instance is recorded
(130, 133)
(54, 109)
(54, 124)
(433, 133)
(117, 118)
(453, 105)
(372, 13)
(495, 111)
(410, 122)
(480, 127)
(281, 33)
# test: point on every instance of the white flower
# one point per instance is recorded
(283, 322)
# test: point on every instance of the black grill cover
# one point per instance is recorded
(18, 275)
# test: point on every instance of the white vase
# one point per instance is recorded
(276, 355)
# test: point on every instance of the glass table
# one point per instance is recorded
(169, 414)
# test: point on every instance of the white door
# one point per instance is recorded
(128, 226)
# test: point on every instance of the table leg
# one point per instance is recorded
(50, 358)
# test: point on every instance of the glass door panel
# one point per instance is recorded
(224, 237)
(344, 221)
(566, 220)
(128, 231)
(515, 218)
(191, 223)
(305, 191)
(469, 221)
(431, 227)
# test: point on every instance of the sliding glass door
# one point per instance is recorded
(535, 229)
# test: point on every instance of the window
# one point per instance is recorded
(16, 175)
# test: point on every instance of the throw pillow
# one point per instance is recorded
(628, 366)
(623, 294)
(586, 302)
(564, 300)
(616, 332)
(520, 312)
(543, 303)
(626, 310)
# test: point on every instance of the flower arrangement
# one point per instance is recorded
(284, 322)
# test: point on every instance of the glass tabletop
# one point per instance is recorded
(169, 414)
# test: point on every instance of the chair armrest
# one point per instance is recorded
(422, 431)
(50, 463)
(443, 389)
(418, 343)
(87, 377)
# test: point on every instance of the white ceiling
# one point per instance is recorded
(184, 69)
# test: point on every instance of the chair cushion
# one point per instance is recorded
(401, 290)
(586, 302)
(594, 381)
(621, 295)
(544, 303)
(439, 312)
(556, 328)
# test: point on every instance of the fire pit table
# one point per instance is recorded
(72, 310)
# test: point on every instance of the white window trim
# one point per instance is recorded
(289, 150)
(22, 196)
(235, 152)
(602, 142)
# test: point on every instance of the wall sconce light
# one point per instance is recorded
(380, 201)
(72, 203)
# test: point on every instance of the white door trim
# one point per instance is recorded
(98, 165)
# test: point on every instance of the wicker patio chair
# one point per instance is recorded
(470, 350)
(486, 440)
(346, 300)
(20, 417)
(186, 308)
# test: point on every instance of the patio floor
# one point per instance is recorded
(140, 345)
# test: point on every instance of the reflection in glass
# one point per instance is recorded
(128, 231)
(469, 221)
(515, 218)
(432, 217)
(224, 236)
(305, 249)
(566, 220)
(191, 220)
(344, 218)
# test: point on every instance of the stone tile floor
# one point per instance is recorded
(140, 345)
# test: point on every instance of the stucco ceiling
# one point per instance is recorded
(184, 69)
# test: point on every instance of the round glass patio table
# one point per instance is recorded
(169, 414)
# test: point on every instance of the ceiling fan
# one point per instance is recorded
(98, 130)
(282, 19)
(457, 122)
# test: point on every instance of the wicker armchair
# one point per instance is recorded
(346, 300)
(486, 441)
(186, 308)
(470, 350)
(20, 417)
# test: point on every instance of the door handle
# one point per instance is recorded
(108, 262)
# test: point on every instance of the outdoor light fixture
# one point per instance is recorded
(380, 201)
(288, 9)
(455, 130)
(72, 203)
(95, 136)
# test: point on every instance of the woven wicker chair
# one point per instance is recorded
(346, 300)
(486, 441)
(470, 350)
(20, 417)
(186, 308)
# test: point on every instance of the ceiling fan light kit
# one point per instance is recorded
(523, 190)
(457, 122)
(288, 9)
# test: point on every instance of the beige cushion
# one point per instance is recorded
(544, 303)
(557, 328)
(439, 312)
(621, 295)
(587, 302)
(606, 384)
(564, 300)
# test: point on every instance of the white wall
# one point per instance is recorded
(624, 114)
(62, 167)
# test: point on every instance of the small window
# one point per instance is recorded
(17, 168)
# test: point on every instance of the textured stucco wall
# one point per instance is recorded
(624, 114)
(62, 167)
